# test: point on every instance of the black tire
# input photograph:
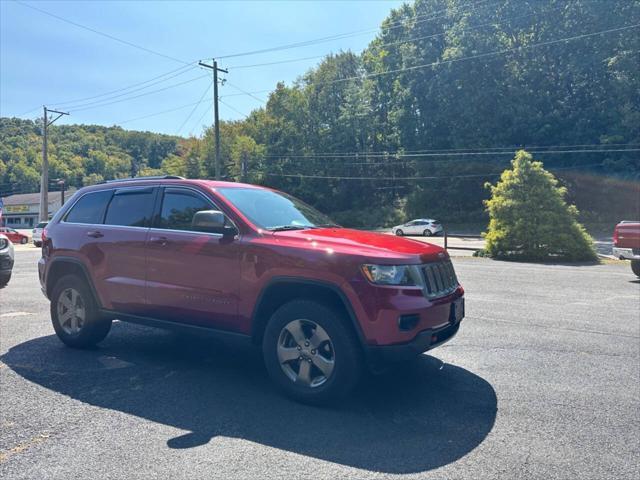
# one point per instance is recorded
(94, 329)
(24, 240)
(635, 267)
(4, 279)
(399, 233)
(347, 355)
(37, 244)
(427, 233)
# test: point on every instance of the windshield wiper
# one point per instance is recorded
(282, 228)
(328, 225)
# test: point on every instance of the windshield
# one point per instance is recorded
(275, 210)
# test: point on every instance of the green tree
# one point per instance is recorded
(529, 218)
(246, 158)
(194, 162)
(174, 165)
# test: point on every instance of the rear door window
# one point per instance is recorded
(90, 208)
(130, 208)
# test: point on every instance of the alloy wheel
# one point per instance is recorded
(71, 311)
(305, 353)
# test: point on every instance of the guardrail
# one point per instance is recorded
(472, 237)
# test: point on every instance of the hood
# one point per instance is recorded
(365, 244)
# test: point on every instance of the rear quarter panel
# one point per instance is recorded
(628, 235)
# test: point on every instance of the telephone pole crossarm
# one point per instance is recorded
(216, 123)
(55, 111)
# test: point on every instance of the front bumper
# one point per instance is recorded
(626, 253)
(378, 356)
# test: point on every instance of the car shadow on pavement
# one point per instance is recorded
(421, 416)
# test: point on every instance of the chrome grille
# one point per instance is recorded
(439, 279)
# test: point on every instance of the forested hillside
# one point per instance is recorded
(414, 125)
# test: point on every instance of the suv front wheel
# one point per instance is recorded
(311, 353)
(75, 315)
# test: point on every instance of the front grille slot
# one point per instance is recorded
(439, 278)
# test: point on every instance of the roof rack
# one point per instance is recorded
(136, 179)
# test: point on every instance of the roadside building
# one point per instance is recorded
(22, 210)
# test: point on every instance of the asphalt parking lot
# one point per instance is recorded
(543, 381)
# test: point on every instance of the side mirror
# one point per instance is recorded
(212, 221)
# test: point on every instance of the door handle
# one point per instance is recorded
(95, 234)
(159, 240)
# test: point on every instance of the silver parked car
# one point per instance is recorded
(6, 260)
(37, 234)
(420, 226)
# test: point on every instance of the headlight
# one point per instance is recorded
(402, 275)
(4, 243)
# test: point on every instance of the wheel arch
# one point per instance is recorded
(280, 290)
(61, 266)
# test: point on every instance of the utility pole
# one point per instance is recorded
(243, 166)
(216, 124)
(44, 177)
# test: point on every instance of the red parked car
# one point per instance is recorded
(14, 235)
(626, 243)
(322, 301)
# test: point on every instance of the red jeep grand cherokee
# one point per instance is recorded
(322, 301)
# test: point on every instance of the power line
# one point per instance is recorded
(107, 35)
(463, 158)
(199, 122)
(112, 97)
(340, 36)
(455, 60)
(449, 153)
(232, 108)
(389, 44)
(413, 178)
(182, 70)
(195, 107)
(158, 113)
(266, 90)
(487, 54)
(185, 69)
(246, 93)
(429, 16)
(314, 57)
(138, 96)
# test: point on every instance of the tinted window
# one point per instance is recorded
(90, 208)
(42, 225)
(179, 207)
(130, 208)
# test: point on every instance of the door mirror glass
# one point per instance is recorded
(212, 221)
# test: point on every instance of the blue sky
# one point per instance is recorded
(44, 60)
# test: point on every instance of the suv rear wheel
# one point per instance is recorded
(75, 315)
(311, 353)
(635, 267)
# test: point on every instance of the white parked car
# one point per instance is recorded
(6, 260)
(37, 234)
(420, 226)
